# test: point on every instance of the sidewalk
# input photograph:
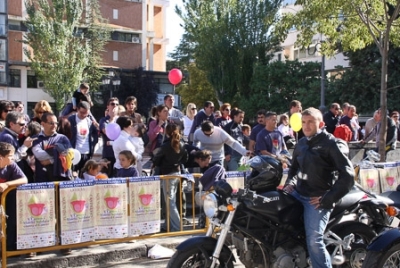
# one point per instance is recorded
(96, 255)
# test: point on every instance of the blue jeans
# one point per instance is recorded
(233, 164)
(315, 222)
(170, 188)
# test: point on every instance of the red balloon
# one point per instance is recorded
(175, 76)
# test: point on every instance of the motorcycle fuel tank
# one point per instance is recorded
(276, 206)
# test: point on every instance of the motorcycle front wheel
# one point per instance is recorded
(198, 257)
(384, 259)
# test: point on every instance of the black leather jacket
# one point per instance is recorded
(168, 160)
(322, 169)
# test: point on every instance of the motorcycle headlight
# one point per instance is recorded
(210, 205)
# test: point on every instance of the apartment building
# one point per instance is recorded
(138, 39)
(290, 51)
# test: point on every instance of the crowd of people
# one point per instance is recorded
(177, 142)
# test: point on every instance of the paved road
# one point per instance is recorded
(140, 263)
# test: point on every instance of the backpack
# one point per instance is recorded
(343, 132)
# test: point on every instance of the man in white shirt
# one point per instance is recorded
(84, 133)
(174, 115)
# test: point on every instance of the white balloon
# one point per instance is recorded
(77, 157)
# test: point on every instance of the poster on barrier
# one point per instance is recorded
(77, 222)
(235, 179)
(145, 205)
(36, 217)
(112, 213)
(369, 180)
(389, 177)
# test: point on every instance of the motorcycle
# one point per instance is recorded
(265, 226)
(384, 251)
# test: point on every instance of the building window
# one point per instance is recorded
(300, 54)
(3, 74)
(15, 78)
(31, 79)
(279, 56)
(125, 37)
(3, 6)
(115, 14)
(3, 49)
(3, 29)
(115, 55)
(17, 26)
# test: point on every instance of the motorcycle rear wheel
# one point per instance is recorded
(363, 235)
(384, 259)
(197, 258)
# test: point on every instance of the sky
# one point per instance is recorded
(174, 30)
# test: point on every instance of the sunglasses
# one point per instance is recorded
(208, 134)
(194, 108)
(7, 111)
(52, 123)
(228, 110)
(113, 104)
(337, 109)
(211, 107)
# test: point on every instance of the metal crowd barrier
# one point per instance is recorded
(5, 253)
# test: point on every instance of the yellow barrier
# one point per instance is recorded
(5, 253)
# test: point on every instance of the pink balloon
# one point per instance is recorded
(175, 76)
(112, 131)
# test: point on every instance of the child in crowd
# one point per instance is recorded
(137, 141)
(27, 164)
(127, 161)
(246, 129)
(81, 94)
(10, 175)
(91, 170)
(284, 127)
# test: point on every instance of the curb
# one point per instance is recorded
(96, 255)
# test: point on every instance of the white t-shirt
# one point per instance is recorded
(187, 123)
(82, 135)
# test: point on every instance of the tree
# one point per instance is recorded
(97, 34)
(225, 39)
(276, 84)
(197, 90)
(353, 24)
(58, 52)
(360, 84)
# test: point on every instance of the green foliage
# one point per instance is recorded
(360, 85)
(225, 39)
(60, 54)
(353, 24)
(97, 35)
(275, 85)
(198, 90)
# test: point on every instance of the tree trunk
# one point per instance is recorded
(382, 131)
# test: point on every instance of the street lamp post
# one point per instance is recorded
(322, 106)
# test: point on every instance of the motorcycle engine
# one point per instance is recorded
(295, 257)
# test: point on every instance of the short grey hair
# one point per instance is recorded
(12, 117)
